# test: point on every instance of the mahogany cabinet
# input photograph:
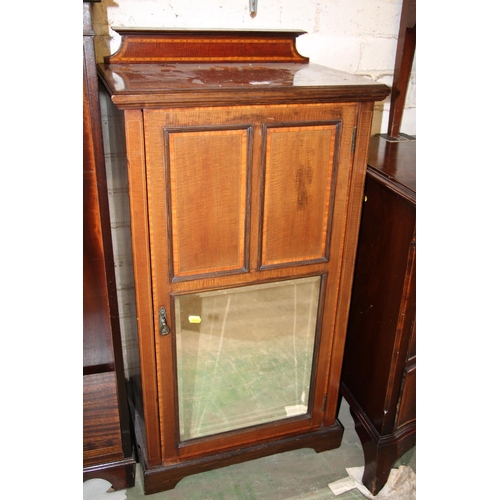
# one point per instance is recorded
(246, 167)
(107, 439)
(379, 371)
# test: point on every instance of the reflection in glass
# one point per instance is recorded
(244, 355)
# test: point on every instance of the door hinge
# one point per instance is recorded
(353, 141)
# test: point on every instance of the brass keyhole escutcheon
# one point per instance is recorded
(164, 328)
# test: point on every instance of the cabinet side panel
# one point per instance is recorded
(386, 232)
(97, 335)
(299, 168)
(353, 184)
(134, 132)
(208, 193)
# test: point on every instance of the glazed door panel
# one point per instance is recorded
(247, 213)
(244, 355)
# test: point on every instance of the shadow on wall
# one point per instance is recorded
(102, 41)
(378, 113)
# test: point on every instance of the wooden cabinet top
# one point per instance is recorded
(154, 68)
(395, 162)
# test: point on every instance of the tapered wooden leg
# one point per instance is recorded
(381, 453)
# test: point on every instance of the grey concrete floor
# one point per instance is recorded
(286, 476)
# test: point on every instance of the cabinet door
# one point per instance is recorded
(247, 215)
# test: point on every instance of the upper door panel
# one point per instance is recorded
(299, 162)
(208, 171)
(245, 189)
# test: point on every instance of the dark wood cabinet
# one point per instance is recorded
(246, 167)
(379, 372)
(107, 440)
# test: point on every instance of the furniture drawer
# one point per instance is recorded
(101, 429)
(407, 401)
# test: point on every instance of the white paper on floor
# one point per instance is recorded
(401, 485)
(98, 489)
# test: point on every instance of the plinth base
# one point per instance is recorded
(166, 477)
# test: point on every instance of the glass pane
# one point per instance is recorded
(244, 355)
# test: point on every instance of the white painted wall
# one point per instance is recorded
(357, 36)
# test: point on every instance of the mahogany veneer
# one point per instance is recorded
(139, 45)
(246, 166)
(379, 371)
